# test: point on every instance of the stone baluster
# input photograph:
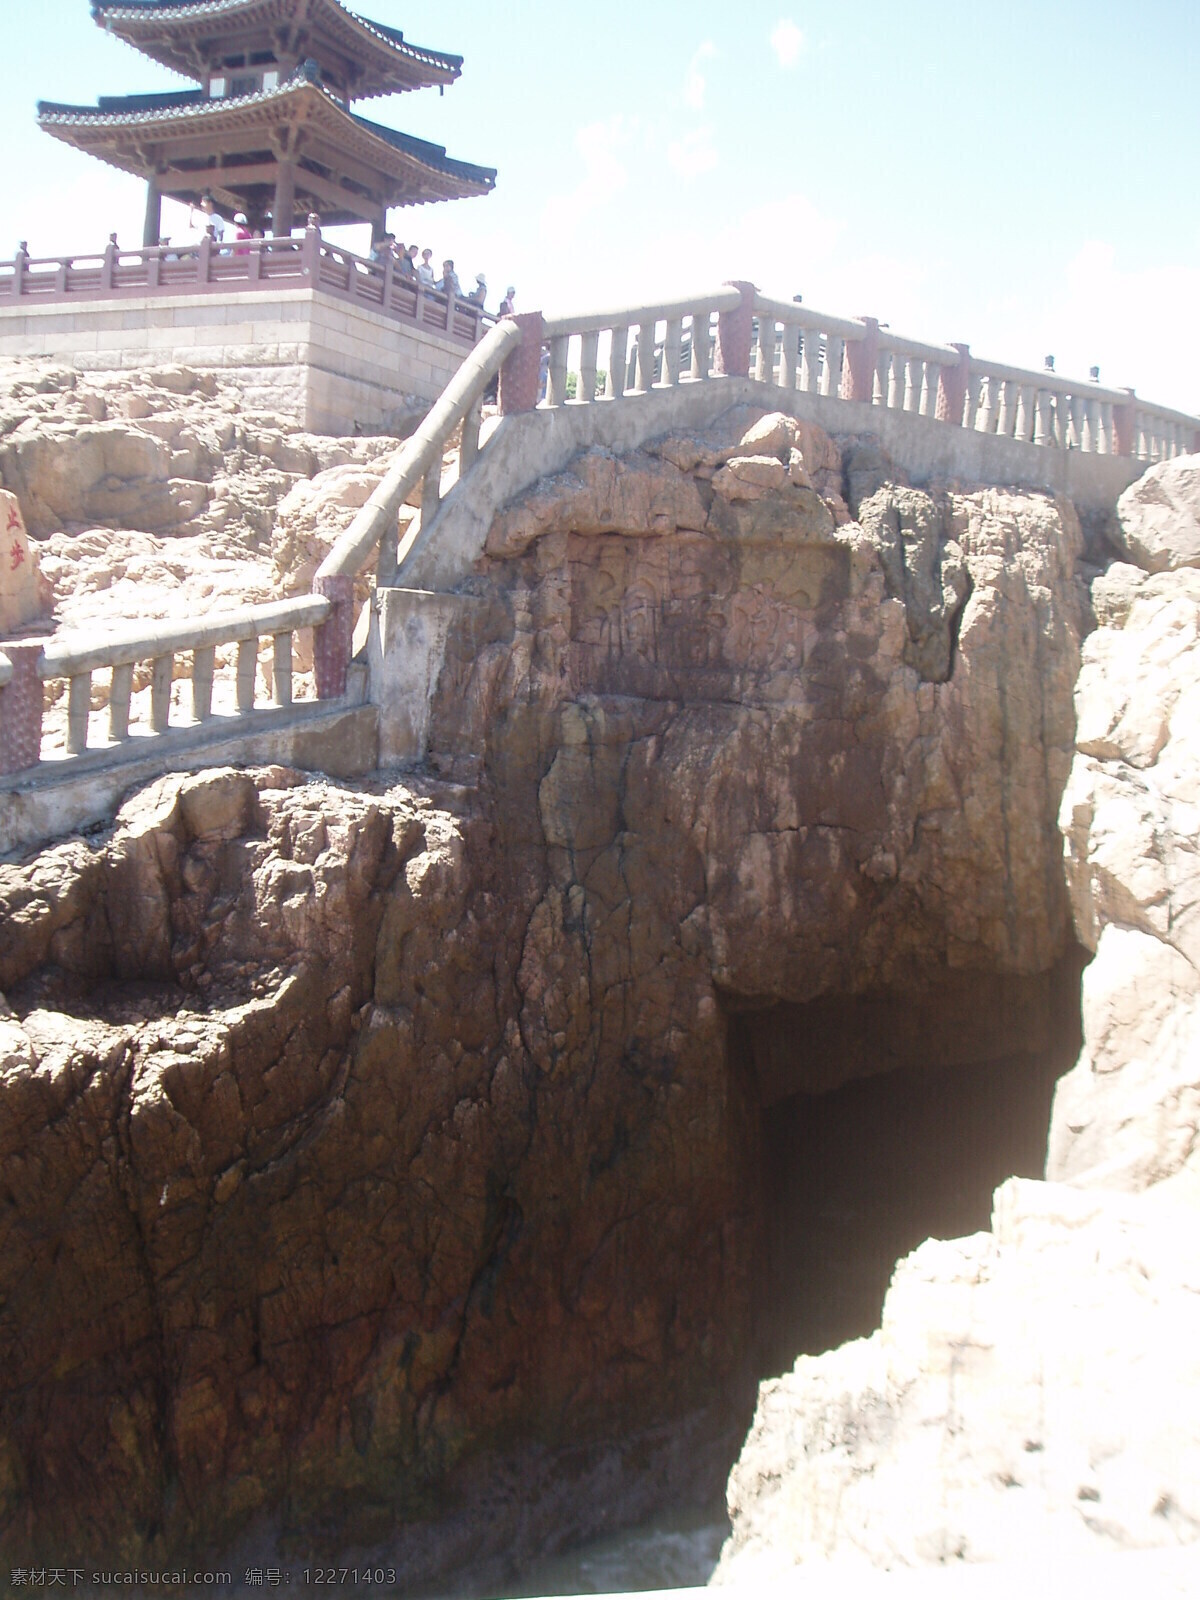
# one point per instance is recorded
(976, 390)
(203, 663)
(883, 369)
(985, 416)
(162, 674)
(1104, 427)
(833, 377)
(672, 352)
(618, 361)
(810, 362)
(247, 670)
(1043, 422)
(929, 394)
(789, 350)
(556, 372)
(431, 485)
(79, 706)
(21, 702)
(1005, 410)
(1078, 412)
(520, 375)
(589, 346)
(120, 693)
(701, 345)
(281, 662)
(644, 380)
(472, 421)
(895, 384)
(1023, 426)
(912, 384)
(764, 369)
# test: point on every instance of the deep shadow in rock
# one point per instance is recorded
(857, 1173)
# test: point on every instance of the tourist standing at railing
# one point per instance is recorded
(448, 282)
(383, 247)
(506, 305)
(478, 294)
(207, 219)
(243, 235)
(425, 270)
(404, 261)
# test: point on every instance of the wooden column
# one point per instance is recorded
(152, 226)
(285, 200)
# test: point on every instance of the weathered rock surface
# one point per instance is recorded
(1034, 1391)
(409, 1125)
(1128, 1116)
(1158, 517)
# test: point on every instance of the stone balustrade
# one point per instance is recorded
(306, 261)
(789, 345)
(421, 458)
(76, 657)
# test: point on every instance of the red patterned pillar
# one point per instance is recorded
(21, 709)
(333, 640)
(952, 388)
(735, 332)
(862, 356)
(1125, 426)
(520, 374)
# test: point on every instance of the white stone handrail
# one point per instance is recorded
(5, 669)
(76, 656)
(420, 460)
(659, 362)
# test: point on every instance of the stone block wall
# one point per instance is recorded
(331, 365)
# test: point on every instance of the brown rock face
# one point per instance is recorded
(376, 1159)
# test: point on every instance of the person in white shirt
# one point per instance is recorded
(425, 270)
(206, 218)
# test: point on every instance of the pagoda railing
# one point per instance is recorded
(240, 266)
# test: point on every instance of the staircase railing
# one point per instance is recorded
(731, 331)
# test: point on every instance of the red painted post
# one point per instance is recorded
(1196, 443)
(952, 388)
(21, 709)
(204, 258)
(735, 330)
(1125, 426)
(333, 640)
(520, 374)
(862, 357)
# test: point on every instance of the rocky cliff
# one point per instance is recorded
(1033, 1390)
(384, 1170)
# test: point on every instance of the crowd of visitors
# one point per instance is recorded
(418, 265)
(410, 261)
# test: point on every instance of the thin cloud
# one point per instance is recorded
(695, 82)
(787, 41)
(692, 154)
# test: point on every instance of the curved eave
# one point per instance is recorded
(114, 134)
(393, 65)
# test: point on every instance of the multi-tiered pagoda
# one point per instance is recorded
(270, 130)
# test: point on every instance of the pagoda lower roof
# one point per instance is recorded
(177, 33)
(172, 137)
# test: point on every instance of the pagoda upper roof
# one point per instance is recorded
(137, 133)
(184, 35)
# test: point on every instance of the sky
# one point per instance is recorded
(1019, 176)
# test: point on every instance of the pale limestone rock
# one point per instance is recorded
(1157, 522)
(750, 477)
(1032, 1391)
(1128, 1114)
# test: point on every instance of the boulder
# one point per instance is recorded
(1157, 522)
(24, 594)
